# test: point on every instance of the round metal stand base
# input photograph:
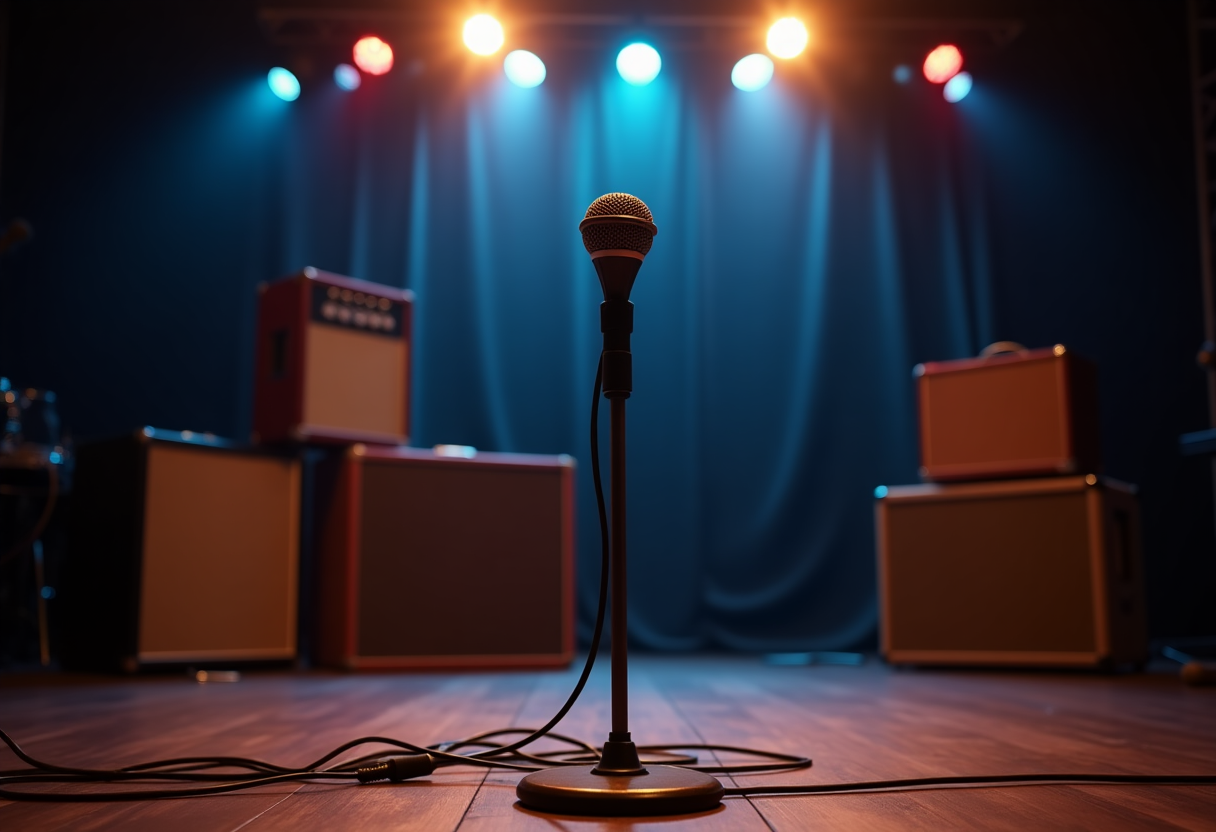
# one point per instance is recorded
(663, 790)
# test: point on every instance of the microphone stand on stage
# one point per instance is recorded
(618, 232)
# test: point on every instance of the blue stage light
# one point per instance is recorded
(752, 73)
(347, 77)
(956, 88)
(638, 63)
(283, 84)
(524, 69)
(902, 74)
(880, 492)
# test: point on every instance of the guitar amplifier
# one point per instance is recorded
(333, 361)
(1039, 572)
(183, 550)
(1026, 413)
(446, 558)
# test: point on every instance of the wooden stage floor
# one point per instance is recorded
(861, 723)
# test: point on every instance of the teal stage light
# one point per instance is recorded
(347, 77)
(639, 64)
(524, 69)
(283, 84)
(956, 88)
(752, 73)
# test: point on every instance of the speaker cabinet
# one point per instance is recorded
(333, 361)
(1012, 415)
(435, 561)
(183, 549)
(1026, 572)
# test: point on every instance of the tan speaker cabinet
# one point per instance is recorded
(184, 550)
(448, 559)
(1031, 413)
(333, 361)
(1042, 572)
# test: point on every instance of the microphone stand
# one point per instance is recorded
(619, 784)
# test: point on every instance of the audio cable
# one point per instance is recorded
(219, 775)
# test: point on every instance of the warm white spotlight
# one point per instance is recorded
(752, 73)
(524, 69)
(483, 34)
(787, 38)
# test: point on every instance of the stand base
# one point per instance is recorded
(663, 790)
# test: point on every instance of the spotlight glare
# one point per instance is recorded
(787, 38)
(943, 63)
(638, 63)
(373, 56)
(752, 73)
(956, 88)
(283, 84)
(347, 77)
(524, 69)
(483, 34)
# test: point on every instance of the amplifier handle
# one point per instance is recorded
(1002, 348)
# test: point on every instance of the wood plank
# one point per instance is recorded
(652, 720)
(863, 724)
(284, 719)
(858, 723)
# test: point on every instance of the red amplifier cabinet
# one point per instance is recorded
(1034, 572)
(1028, 413)
(432, 560)
(333, 361)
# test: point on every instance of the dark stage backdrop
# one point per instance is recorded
(816, 240)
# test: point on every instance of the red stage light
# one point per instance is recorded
(373, 56)
(943, 63)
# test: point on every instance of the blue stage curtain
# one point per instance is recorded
(776, 316)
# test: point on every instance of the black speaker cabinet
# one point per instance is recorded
(184, 550)
(1039, 572)
(446, 558)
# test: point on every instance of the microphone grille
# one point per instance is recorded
(634, 231)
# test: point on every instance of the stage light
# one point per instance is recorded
(524, 69)
(956, 88)
(638, 63)
(902, 74)
(787, 38)
(347, 77)
(752, 73)
(283, 84)
(483, 34)
(943, 63)
(373, 56)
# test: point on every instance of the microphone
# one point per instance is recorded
(618, 231)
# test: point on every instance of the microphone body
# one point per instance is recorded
(618, 231)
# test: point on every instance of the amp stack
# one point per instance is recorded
(1015, 551)
(326, 539)
(411, 558)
